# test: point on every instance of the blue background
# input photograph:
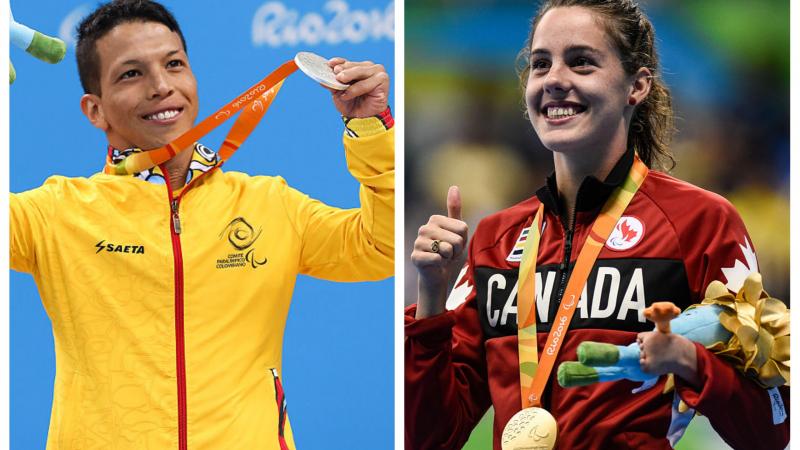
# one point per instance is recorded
(338, 377)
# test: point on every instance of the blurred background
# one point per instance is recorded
(332, 395)
(726, 62)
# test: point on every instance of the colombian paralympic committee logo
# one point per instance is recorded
(241, 235)
(627, 233)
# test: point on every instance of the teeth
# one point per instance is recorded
(554, 112)
(163, 115)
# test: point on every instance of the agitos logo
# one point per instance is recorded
(121, 248)
(241, 235)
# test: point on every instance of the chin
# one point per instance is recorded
(160, 141)
(562, 142)
(152, 144)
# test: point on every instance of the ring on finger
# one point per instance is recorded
(435, 246)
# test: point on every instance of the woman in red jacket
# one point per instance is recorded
(595, 99)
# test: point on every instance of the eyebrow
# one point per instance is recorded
(134, 62)
(570, 49)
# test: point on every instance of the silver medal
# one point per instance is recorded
(316, 67)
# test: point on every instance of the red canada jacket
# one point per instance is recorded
(671, 242)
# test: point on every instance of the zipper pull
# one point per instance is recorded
(176, 220)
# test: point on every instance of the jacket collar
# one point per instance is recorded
(203, 160)
(592, 193)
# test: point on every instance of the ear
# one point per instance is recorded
(642, 82)
(92, 108)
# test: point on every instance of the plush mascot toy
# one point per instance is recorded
(749, 330)
(41, 46)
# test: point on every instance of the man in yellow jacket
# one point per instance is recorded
(168, 289)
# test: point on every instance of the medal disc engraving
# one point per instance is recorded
(530, 429)
(317, 68)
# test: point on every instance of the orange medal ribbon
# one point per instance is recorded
(534, 373)
(258, 97)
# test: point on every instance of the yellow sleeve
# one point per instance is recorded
(351, 244)
(28, 213)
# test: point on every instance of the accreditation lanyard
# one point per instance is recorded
(253, 103)
(533, 374)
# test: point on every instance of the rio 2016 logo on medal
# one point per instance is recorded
(530, 429)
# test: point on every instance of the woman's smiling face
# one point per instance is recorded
(577, 91)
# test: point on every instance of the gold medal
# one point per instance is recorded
(530, 429)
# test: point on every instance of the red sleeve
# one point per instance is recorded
(446, 388)
(716, 246)
(739, 410)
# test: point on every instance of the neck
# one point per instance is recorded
(573, 168)
(177, 167)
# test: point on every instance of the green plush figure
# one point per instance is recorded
(750, 330)
(598, 361)
(41, 46)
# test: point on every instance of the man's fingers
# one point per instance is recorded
(352, 73)
(454, 203)
(366, 86)
(336, 61)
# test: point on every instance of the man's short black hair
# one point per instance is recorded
(104, 19)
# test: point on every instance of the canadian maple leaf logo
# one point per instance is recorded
(736, 274)
(628, 233)
(460, 290)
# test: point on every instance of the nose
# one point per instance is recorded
(161, 85)
(557, 79)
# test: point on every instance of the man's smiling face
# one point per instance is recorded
(148, 93)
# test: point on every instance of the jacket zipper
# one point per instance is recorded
(180, 342)
(180, 355)
(564, 267)
(176, 219)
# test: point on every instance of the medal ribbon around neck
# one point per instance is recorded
(533, 373)
(258, 97)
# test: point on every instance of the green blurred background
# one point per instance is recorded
(726, 62)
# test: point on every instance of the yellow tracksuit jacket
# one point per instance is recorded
(170, 338)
